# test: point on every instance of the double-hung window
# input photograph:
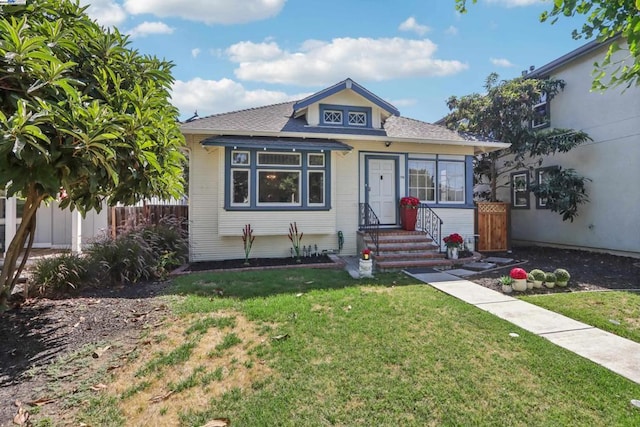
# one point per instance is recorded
(541, 113)
(520, 190)
(277, 179)
(422, 179)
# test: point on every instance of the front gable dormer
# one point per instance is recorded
(345, 105)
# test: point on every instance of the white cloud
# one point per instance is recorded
(249, 51)
(219, 96)
(410, 24)
(405, 102)
(195, 52)
(502, 62)
(107, 12)
(451, 31)
(515, 3)
(208, 11)
(319, 63)
(146, 28)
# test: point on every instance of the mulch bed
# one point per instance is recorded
(239, 264)
(589, 270)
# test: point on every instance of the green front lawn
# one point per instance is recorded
(316, 348)
(616, 312)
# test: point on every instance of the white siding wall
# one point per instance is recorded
(612, 161)
(216, 234)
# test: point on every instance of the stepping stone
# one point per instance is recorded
(461, 272)
(499, 260)
(479, 266)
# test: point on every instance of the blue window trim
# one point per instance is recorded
(253, 169)
(346, 109)
(468, 190)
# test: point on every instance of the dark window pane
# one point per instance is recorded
(240, 186)
(279, 187)
(316, 187)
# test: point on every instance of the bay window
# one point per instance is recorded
(266, 179)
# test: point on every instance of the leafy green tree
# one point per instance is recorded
(81, 114)
(505, 113)
(606, 20)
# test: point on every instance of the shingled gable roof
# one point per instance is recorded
(280, 120)
(339, 87)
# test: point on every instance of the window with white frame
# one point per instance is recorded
(520, 190)
(277, 179)
(345, 115)
(357, 118)
(422, 180)
(541, 113)
(332, 117)
(542, 177)
(451, 182)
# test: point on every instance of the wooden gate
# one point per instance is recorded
(493, 226)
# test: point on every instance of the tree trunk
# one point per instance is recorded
(10, 274)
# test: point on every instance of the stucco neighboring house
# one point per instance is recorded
(319, 162)
(611, 161)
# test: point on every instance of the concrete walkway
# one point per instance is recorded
(617, 354)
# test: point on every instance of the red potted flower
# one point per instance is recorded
(409, 212)
(366, 253)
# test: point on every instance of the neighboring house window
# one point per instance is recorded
(451, 182)
(345, 115)
(276, 179)
(422, 180)
(541, 113)
(437, 180)
(520, 190)
(542, 176)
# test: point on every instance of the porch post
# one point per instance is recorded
(76, 231)
(10, 221)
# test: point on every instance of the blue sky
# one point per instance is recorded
(234, 54)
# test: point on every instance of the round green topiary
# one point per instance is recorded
(550, 278)
(562, 275)
(538, 275)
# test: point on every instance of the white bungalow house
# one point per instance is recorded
(611, 161)
(326, 162)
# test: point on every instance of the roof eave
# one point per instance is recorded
(479, 146)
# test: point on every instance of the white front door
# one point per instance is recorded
(381, 186)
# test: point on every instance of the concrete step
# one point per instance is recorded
(400, 256)
(412, 263)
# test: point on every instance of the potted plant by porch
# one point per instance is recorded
(519, 277)
(453, 242)
(409, 212)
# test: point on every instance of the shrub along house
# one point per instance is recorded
(336, 163)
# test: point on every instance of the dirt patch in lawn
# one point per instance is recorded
(589, 270)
